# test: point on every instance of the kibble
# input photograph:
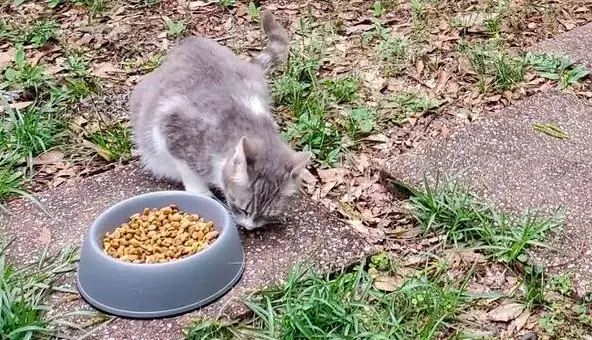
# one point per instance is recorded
(159, 235)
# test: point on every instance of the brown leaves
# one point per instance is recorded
(506, 312)
(6, 58)
(388, 283)
(105, 70)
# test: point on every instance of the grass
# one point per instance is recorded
(114, 142)
(451, 208)
(227, 4)
(494, 68)
(560, 69)
(317, 124)
(390, 299)
(254, 12)
(344, 306)
(27, 133)
(23, 290)
(404, 105)
(174, 28)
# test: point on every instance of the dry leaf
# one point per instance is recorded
(405, 233)
(518, 324)
(228, 24)
(45, 236)
(388, 283)
(103, 70)
(331, 175)
(361, 228)
(380, 138)
(6, 58)
(197, 4)
(17, 106)
(49, 157)
(443, 77)
(505, 313)
(464, 255)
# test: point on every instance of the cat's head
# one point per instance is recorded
(259, 179)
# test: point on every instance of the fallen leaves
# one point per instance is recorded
(105, 70)
(506, 312)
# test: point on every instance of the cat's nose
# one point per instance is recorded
(245, 222)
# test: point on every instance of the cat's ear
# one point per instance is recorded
(245, 153)
(299, 162)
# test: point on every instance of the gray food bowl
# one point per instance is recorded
(160, 289)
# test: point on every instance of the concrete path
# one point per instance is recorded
(518, 168)
(310, 234)
(576, 43)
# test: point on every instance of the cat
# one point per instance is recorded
(203, 118)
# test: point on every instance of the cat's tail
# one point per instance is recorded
(278, 45)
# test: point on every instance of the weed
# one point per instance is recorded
(254, 12)
(214, 330)
(39, 33)
(344, 306)
(28, 134)
(394, 54)
(562, 283)
(22, 291)
(408, 104)
(377, 8)
(94, 6)
(299, 88)
(450, 207)
(381, 261)
(11, 181)
(227, 3)
(175, 28)
(494, 26)
(77, 65)
(114, 142)
(493, 66)
(315, 132)
(360, 122)
(24, 74)
(534, 286)
(343, 89)
(561, 69)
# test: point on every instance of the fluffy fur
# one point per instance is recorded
(203, 118)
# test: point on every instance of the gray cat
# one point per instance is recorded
(203, 118)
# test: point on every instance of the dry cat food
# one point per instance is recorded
(159, 235)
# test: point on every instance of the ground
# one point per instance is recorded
(366, 82)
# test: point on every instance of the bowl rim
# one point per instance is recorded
(95, 245)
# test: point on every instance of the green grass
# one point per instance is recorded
(227, 4)
(95, 7)
(114, 142)
(175, 28)
(36, 34)
(395, 54)
(561, 69)
(449, 207)
(494, 68)
(28, 132)
(25, 75)
(317, 123)
(404, 104)
(344, 306)
(254, 12)
(343, 89)
(22, 293)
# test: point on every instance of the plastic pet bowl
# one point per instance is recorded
(160, 289)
